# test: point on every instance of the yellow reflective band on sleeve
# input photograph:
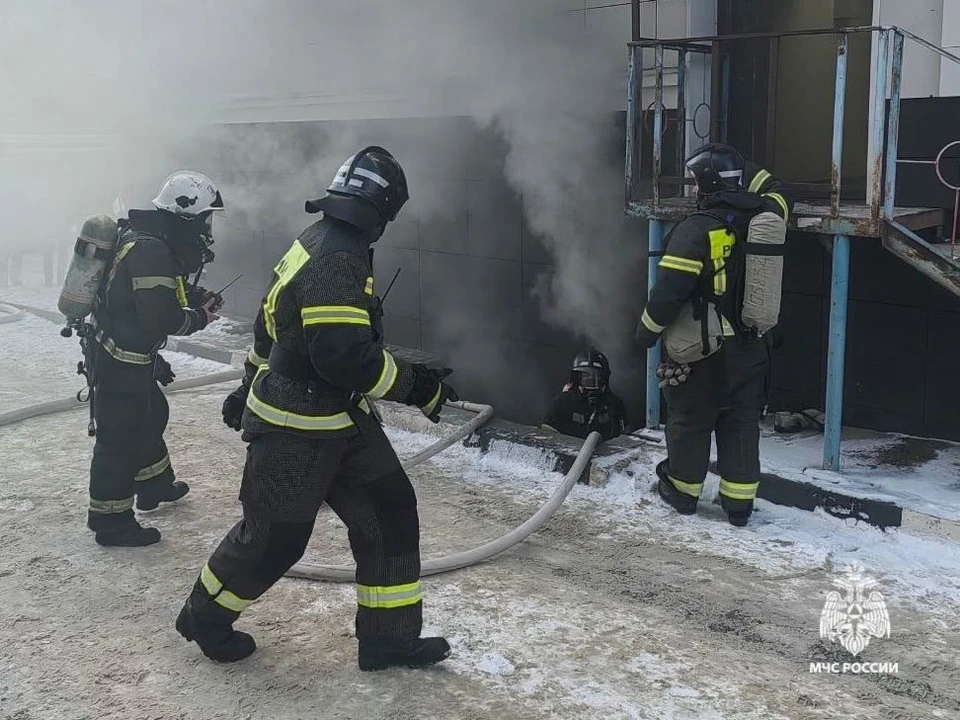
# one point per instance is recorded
(782, 202)
(152, 471)
(674, 262)
(738, 491)
(368, 288)
(181, 293)
(650, 324)
(255, 359)
(223, 598)
(387, 377)
(691, 489)
(430, 406)
(758, 180)
(147, 283)
(390, 596)
(110, 507)
(282, 418)
(334, 315)
(294, 259)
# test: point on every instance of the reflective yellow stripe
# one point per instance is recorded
(152, 471)
(334, 315)
(738, 491)
(758, 180)
(133, 358)
(719, 277)
(368, 289)
(146, 283)
(181, 293)
(125, 249)
(387, 378)
(223, 598)
(210, 581)
(391, 596)
(282, 418)
(110, 507)
(255, 359)
(728, 330)
(691, 489)
(650, 324)
(294, 259)
(781, 201)
(721, 245)
(674, 262)
(430, 406)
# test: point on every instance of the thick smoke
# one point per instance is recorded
(159, 79)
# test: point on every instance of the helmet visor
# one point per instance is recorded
(590, 378)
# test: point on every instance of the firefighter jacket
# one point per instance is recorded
(143, 300)
(697, 260)
(577, 414)
(318, 350)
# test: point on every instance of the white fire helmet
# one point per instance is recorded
(188, 194)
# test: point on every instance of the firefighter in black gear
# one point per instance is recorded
(724, 392)
(586, 403)
(305, 408)
(144, 299)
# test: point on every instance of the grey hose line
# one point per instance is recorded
(484, 413)
(56, 406)
(347, 573)
(9, 314)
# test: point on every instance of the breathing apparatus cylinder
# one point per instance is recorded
(763, 272)
(92, 255)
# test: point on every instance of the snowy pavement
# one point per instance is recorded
(618, 608)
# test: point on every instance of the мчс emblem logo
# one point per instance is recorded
(853, 617)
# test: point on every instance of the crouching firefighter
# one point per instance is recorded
(715, 299)
(143, 298)
(313, 435)
(587, 403)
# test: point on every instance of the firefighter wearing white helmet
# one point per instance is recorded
(145, 298)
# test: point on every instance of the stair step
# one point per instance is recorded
(935, 260)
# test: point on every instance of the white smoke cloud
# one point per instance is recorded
(162, 75)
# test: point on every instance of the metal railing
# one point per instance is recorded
(883, 148)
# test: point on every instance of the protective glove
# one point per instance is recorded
(162, 372)
(430, 392)
(234, 404)
(672, 373)
(208, 312)
(199, 297)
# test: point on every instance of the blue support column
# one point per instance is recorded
(654, 247)
(836, 353)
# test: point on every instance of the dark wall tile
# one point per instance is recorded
(401, 233)
(803, 265)
(534, 328)
(796, 365)
(404, 298)
(445, 229)
(494, 220)
(401, 331)
(479, 294)
(885, 358)
(941, 391)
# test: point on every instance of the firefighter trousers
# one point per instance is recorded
(286, 480)
(130, 456)
(724, 395)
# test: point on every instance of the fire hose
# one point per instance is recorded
(346, 573)
(9, 314)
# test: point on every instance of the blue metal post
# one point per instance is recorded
(654, 247)
(875, 170)
(893, 131)
(841, 279)
(837, 350)
(839, 106)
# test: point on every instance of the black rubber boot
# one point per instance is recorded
(205, 623)
(418, 653)
(131, 534)
(151, 500)
(681, 502)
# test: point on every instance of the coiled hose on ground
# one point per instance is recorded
(333, 573)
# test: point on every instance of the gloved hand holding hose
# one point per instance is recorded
(430, 392)
(234, 404)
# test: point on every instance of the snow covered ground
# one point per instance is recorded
(618, 608)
